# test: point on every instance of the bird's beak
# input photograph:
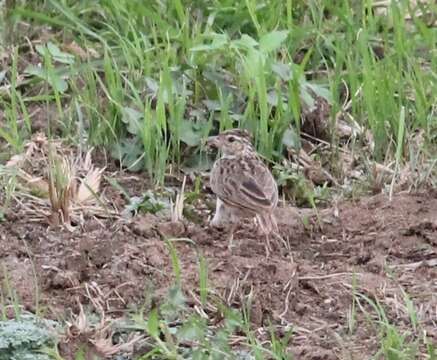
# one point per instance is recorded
(213, 142)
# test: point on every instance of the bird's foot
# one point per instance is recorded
(286, 245)
(231, 244)
(279, 238)
(231, 247)
(217, 220)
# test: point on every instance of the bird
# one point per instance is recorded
(244, 186)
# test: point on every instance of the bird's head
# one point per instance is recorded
(231, 142)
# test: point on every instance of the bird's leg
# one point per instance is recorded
(267, 246)
(266, 226)
(219, 215)
(231, 235)
(280, 238)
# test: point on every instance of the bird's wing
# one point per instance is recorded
(255, 191)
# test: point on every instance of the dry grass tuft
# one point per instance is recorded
(57, 183)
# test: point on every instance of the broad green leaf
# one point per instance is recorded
(253, 62)
(55, 53)
(175, 302)
(131, 118)
(152, 85)
(2, 75)
(272, 41)
(273, 98)
(291, 139)
(24, 338)
(282, 70)
(205, 47)
(197, 161)
(245, 42)
(212, 105)
(233, 319)
(54, 79)
(307, 98)
(153, 323)
(191, 134)
(321, 91)
(218, 42)
(60, 56)
(128, 151)
(192, 330)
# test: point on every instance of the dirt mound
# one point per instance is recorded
(379, 246)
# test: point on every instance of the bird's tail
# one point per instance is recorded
(267, 223)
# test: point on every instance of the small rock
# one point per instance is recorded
(256, 313)
(376, 264)
(64, 280)
(155, 256)
(171, 229)
(301, 308)
(145, 225)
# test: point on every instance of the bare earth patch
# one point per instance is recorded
(383, 247)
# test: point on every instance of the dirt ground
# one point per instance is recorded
(385, 246)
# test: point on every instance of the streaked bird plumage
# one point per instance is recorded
(244, 185)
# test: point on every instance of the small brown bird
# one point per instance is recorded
(244, 185)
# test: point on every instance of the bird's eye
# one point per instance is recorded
(231, 139)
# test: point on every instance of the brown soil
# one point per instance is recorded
(385, 246)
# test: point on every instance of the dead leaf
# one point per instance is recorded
(75, 49)
(315, 121)
(104, 344)
(87, 163)
(38, 186)
(89, 187)
(346, 130)
(178, 207)
(16, 161)
(317, 174)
